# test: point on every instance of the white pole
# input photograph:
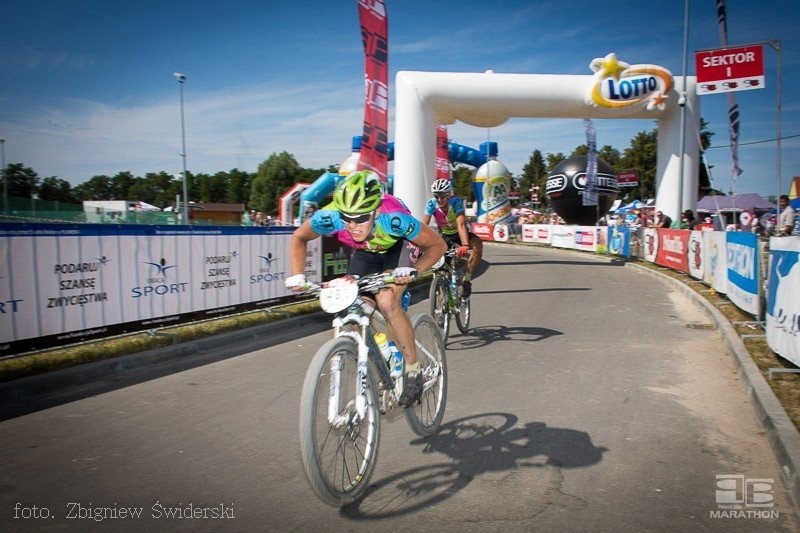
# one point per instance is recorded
(682, 103)
(182, 78)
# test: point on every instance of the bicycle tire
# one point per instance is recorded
(463, 314)
(326, 450)
(440, 305)
(425, 417)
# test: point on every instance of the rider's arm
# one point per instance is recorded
(432, 246)
(461, 220)
(298, 246)
(425, 219)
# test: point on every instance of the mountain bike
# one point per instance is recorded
(349, 386)
(446, 293)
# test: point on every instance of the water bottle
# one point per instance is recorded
(406, 300)
(396, 362)
(383, 344)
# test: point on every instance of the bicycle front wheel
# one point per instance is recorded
(462, 316)
(440, 305)
(426, 417)
(339, 450)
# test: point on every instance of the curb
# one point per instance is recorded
(783, 437)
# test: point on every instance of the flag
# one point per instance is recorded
(590, 191)
(375, 136)
(442, 154)
(733, 106)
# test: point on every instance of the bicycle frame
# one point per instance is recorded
(451, 269)
(367, 349)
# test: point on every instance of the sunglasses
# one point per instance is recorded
(358, 219)
(441, 194)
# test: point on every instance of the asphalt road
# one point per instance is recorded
(587, 397)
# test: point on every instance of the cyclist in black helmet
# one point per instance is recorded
(386, 238)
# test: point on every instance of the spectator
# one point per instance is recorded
(786, 218)
(516, 228)
(661, 221)
(688, 221)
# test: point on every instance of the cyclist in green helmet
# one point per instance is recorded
(385, 237)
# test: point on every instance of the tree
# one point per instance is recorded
(642, 157)
(553, 160)
(97, 188)
(610, 155)
(238, 186)
(56, 190)
(121, 184)
(534, 174)
(213, 189)
(462, 183)
(275, 175)
(22, 182)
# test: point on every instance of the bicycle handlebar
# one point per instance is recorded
(369, 283)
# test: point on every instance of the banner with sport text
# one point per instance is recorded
(375, 135)
(63, 283)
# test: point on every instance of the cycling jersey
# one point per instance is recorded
(393, 223)
(446, 223)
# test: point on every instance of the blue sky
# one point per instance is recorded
(87, 86)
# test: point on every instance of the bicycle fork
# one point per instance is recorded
(346, 417)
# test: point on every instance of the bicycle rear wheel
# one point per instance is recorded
(339, 457)
(426, 417)
(440, 305)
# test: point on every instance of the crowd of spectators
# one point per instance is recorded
(257, 218)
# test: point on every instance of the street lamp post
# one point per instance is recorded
(185, 211)
(5, 175)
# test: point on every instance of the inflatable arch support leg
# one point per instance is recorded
(426, 99)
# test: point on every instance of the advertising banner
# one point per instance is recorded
(695, 259)
(715, 274)
(562, 236)
(543, 233)
(484, 231)
(375, 136)
(742, 262)
(672, 247)
(627, 179)
(528, 233)
(783, 303)
(619, 241)
(442, 154)
(730, 69)
(500, 232)
(63, 282)
(650, 243)
(586, 238)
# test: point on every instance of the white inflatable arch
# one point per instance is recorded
(426, 99)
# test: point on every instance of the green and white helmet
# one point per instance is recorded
(359, 193)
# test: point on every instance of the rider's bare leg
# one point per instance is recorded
(400, 331)
(475, 258)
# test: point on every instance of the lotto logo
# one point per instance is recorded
(735, 489)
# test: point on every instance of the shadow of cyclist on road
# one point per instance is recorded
(494, 453)
(486, 335)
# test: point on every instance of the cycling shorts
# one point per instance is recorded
(455, 240)
(403, 254)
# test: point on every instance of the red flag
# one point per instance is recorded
(375, 135)
(442, 154)
(733, 106)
